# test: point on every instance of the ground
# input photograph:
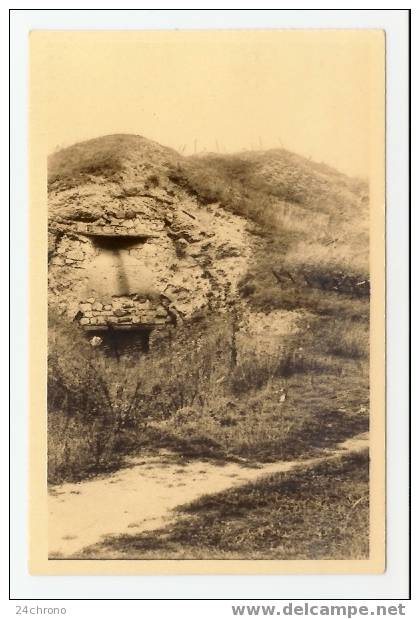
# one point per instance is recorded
(135, 512)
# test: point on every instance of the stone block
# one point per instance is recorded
(57, 261)
(91, 300)
(107, 307)
(149, 316)
(84, 321)
(85, 307)
(97, 307)
(76, 254)
(88, 314)
(144, 304)
(120, 312)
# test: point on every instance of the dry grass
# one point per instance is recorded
(91, 399)
(312, 221)
(106, 158)
(201, 398)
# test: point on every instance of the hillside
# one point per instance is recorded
(254, 264)
(305, 223)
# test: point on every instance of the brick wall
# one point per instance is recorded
(122, 312)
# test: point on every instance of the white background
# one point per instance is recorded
(393, 584)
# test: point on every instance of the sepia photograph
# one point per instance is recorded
(209, 212)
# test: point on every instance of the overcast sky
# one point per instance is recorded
(309, 92)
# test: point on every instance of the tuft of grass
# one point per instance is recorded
(314, 512)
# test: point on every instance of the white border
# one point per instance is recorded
(392, 584)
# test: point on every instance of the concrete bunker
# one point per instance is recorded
(121, 305)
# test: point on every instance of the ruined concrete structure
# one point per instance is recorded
(134, 252)
(108, 267)
(135, 248)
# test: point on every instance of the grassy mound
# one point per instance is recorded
(197, 393)
(106, 158)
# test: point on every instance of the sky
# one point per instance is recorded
(225, 91)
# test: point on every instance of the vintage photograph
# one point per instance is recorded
(209, 210)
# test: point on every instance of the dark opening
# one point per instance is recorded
(115, 243)
(124, 342)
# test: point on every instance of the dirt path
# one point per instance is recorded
(142, 497)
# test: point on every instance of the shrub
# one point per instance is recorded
(91, 405)
(100, 408)
(348, 338)
(253, 372)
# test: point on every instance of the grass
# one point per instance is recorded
(311, 394)
(311, 220)
(69, 169)
(189, 396)
(90, 403)
(318, 512)
(106, 159)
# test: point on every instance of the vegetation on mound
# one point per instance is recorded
(318, 512)
(204, 394)
(106, 158)
(199, 392)
(312, 221)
